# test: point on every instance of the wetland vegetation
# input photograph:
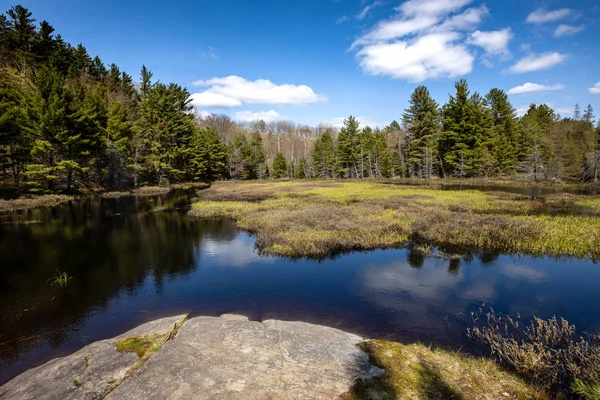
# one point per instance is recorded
(442, 186)
(321, 218)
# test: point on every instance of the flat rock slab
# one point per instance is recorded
(227, 357)
(86, 374)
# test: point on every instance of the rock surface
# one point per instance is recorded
(86, 374)
(227, 357)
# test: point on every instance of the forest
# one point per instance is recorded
(68, 123)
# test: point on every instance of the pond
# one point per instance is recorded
(134, 259)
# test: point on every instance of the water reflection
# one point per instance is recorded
(131, 264)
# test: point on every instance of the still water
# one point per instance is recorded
(136, 259)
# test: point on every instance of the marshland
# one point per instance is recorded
(462, 235)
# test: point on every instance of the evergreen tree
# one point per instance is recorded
(588, 115)
(324, 156)
(577, 112)
(346, 152)
(280, 166)
(505, 148)
(422, 120)
(208, 155)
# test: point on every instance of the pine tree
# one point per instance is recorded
(346, 151)
(208, 155)
(505, 148)
(280, 167)
(324, 156)
(577, 112)
(588, 115)
(422, 120)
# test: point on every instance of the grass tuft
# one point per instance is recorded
(61, 279)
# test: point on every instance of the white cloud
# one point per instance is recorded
(209, 53)
(338, 122)
(203, 113)
(521, 110)
(567, 30)
(233, 91)
(493, 42)
(210, 99)
(541, 15)
(430, 56)
(431, 7)
(534, 88)
(342, 19)
(595, 89)
(537, 62)
(365, 11)
(428, 39)
(267, 116)
(563, 111)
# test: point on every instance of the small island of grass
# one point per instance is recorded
(321, 218)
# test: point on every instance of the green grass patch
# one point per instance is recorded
(418, 372)
(321, 218)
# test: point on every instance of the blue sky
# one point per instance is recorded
(313, 61)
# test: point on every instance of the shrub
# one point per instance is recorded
(546, 352)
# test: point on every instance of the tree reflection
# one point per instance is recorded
(106, 246)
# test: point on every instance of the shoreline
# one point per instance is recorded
(231, 356)
(30, 202)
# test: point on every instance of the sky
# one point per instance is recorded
(319, 61)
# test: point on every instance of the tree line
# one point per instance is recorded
(69, 122)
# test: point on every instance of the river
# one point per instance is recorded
(134, 259)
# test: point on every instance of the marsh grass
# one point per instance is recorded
(60, 278)
(321, 218)
(26, 203)
(150, 190)
(416, 371)
(548, 353)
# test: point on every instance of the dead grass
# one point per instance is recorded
(418, 372)
(26, 203)
(321, 218)
(150, 190)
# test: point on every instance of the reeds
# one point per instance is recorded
(60, 278)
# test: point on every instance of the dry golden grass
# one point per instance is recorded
(320, 218)
(418, 372)
(26, 203)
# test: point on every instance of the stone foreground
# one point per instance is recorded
(227, 357)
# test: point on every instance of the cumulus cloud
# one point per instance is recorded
(493, 42)
(338, 122)
(567, 30)
(427, 39)
(541, 15)
(267, 116)
(534, 88)
(537, 62)
(233, 91)
(595, 89)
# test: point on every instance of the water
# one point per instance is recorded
(137, 259)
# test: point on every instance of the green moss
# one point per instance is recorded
(417, 372)
(143, 346)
